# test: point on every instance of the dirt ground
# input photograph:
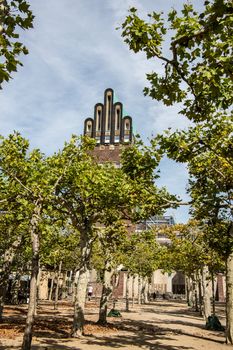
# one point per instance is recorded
(161, 325)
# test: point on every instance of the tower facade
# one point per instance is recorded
(109, 128)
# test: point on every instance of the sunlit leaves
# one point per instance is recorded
(14, 15)
(198, 71)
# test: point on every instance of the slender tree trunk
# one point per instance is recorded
(133, 292)
(200, 296)
(139, 290)
(143, 291)
(51, 289)
(127, 292)
(206, 293)
(38, 288)
(27, 338)
(80, 293)
(3, 290)
(74, 284)
(195, 290)
(229, 299)
(106, 293)
(146, 287)
(57, 286)
(8, 258)
(65, 285)
(71, 281)
(15, 289)
(188, 290)
(213, 293)
(79, 304)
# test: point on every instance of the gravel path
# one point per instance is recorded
(162, 325)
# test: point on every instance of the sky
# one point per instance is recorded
(75, 53)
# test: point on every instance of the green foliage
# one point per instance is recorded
(207, 147)
(139, 163)
(82, 202)
(59, 242)
(107, 247)
(14, 15)
(188, 251)
(141, 253)
(198, 71)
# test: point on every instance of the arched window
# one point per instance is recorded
(89, 127)
(108, 112)
(127, 129)
(117, 119)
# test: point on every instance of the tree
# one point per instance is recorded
(59, 252)
(36, 184)
(106, 260)
(90, 195)
(189, 253)
(198, 72)
(141, 255)
(14, 15)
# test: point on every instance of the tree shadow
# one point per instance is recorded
(148, 328)
(53, 345)
(54, 332)
(140, 340)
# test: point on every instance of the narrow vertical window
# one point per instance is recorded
(99, 120)
(117, 122)
(108, 113)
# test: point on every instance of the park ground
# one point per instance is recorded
(160, 325)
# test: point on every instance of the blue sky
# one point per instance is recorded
(75, 54)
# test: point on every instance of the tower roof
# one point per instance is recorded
(109, 126)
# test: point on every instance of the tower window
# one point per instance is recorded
(117, 119)
(89, 127)
(127, 125)
(99, 120)
(108, 112)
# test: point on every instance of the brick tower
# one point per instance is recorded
(112, 131)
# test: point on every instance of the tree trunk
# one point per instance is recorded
(145, 291)
(229, 300)
(133, 292)
(80, 292)
(9, 256)
(38, 289)
(127, 292)
(74, 285)
(142, 291)
(213, 293)
(200, 297)
(71, 281)
(57, 286)
(139, 290)
(106, 293)
(206, 293)
(79, 304)
(51, 289)
(195, 300)
(65, 285)
(15, 289)
(188, 289)
(27, 338)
